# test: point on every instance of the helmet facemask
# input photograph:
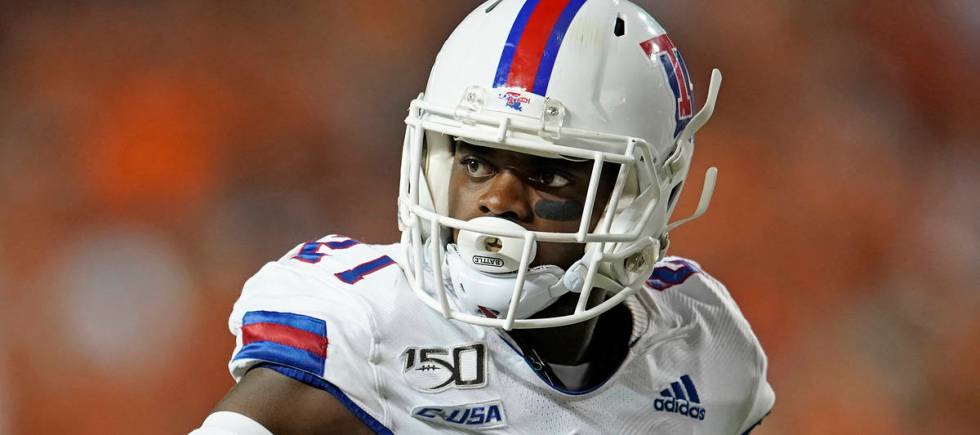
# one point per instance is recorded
(620, 248)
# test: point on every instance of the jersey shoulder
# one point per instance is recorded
(340, 260)
(682, 283)
(319, 278)
(684, 290)
(306, 311)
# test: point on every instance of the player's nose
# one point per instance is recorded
(506, 197)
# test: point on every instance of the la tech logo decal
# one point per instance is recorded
(435, 369)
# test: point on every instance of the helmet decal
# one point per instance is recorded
(532, 45)
(662, 48)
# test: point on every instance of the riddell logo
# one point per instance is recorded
(677, 401)
(488, 261)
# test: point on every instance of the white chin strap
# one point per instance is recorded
(483, 273)
(489, 294)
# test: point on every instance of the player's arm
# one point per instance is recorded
(284, 405)
(288, 381)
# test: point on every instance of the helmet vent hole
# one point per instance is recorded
(492, 6)
(620, 28)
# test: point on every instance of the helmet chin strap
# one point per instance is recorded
(483, 269)
(574, 278)
(489, 294)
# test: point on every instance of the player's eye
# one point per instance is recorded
(551, 179)
(476, 168)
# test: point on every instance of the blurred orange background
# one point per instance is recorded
(154, 155)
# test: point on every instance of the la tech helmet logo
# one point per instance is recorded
(515, 100)
(435, 369)
(661, 50)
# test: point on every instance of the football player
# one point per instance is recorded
(530, 292)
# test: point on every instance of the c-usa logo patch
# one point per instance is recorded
(467, 416)
(435, 369)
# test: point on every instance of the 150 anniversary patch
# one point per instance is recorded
(435, 369)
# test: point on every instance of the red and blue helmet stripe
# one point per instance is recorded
(529, 54)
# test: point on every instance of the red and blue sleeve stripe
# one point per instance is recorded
(532, 46)
(288, 339)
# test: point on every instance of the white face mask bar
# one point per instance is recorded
(500, 131)
(622, 150)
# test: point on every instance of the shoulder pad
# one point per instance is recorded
(307, 311)
(341, 259)
(671, 271)
(687, 291)
(683, 279)
(294, 318)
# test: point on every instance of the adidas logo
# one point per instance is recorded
(681, 398)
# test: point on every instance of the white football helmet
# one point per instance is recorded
(595, 80)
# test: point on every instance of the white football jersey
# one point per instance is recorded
(338, 314)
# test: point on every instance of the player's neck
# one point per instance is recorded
(566, 345)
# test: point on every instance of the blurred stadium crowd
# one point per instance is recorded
(154, 154)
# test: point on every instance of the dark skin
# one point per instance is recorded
(287, 406)
(539, 194)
